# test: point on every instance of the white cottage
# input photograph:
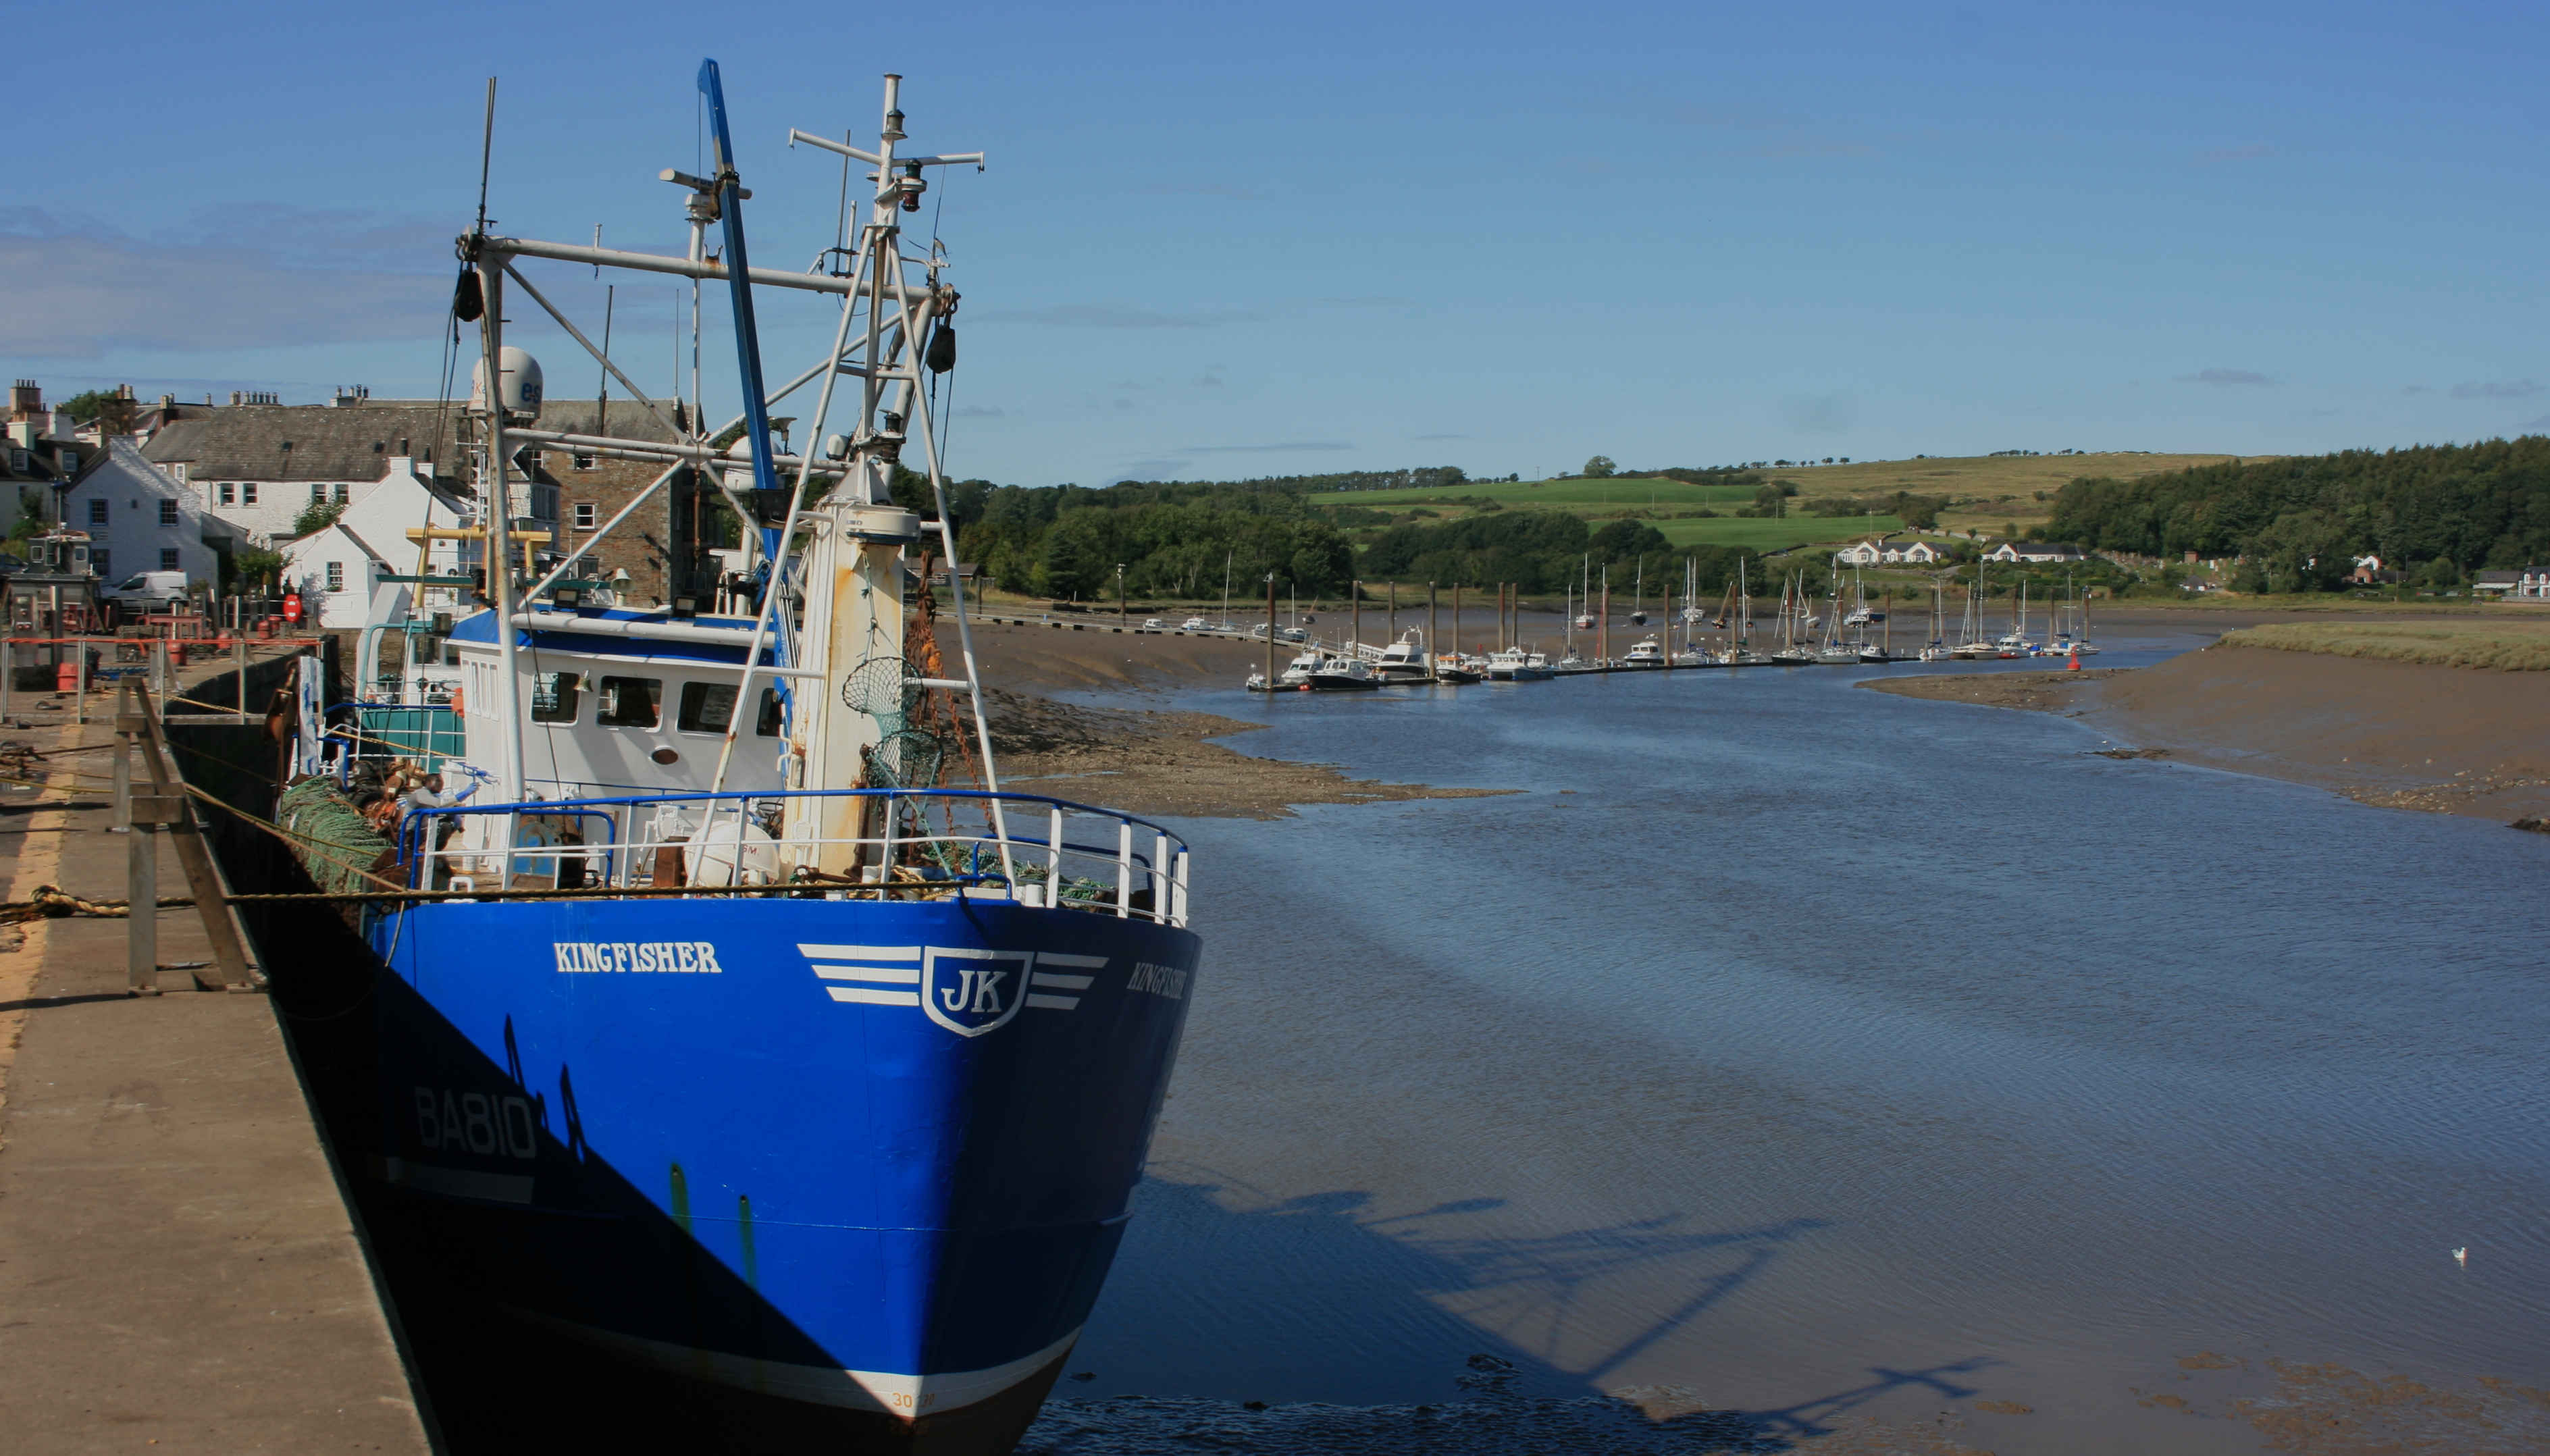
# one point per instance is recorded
(139, 517)
(375, 536)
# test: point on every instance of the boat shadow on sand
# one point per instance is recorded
(1302, 1326)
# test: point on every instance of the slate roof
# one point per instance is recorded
(352, 442)
(627, 419)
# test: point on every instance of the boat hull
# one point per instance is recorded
(833, 1167)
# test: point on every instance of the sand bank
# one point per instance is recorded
(1141, 761)
(1153, 762)
(2397, 734)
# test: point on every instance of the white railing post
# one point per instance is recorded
(1053, 861)
(885, 852)
(1123, 868)
(1178, 891)
(1160, 880)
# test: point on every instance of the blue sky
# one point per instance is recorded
(1219, 241)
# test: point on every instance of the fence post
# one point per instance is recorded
(8, 672)
(79, 700)
(1053, 861)
(127, 724)
(1124, 869)
(239, 659)
(142, 893)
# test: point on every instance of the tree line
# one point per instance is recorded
(2437, 512)
(1170, 538)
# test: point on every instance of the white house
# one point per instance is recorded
(2038, 551)
(336, 569)
(258, 463)
(1887, 551)
(139, 517)
(2530, 584)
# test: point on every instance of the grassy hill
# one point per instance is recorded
(1985, 492)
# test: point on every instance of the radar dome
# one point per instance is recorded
(520, 381)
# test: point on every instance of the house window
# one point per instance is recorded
(584, 515)
(583, 459)
(97, 560)
(168, 513)
(247, 492)
(97, 513)
(335, 574)
(631, 701)
(708, 707)
(344, 493)
(318, 495)
(230, 494)
(554, 696)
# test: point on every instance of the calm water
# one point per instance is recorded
(1828, 1055)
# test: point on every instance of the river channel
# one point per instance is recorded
(1787, 1064)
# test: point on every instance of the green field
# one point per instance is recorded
(1774, 534)
(1586, 496)
(1985, 492)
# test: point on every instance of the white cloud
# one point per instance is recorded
(79, 288)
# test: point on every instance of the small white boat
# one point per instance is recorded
(1195, 623)
(1648, 652)
(1519, 665)
(1344, 675)
(1296, 673)
(1404, 662)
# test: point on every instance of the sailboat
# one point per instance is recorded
(1793, 650)
(825, 1109)
(1936, 649)
(1739, 611)
(1835, 652)
(1971, 641)
(2016, 642)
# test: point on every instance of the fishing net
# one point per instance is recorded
(908, 758)
(886, 689)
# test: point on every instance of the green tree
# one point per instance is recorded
(88, 403)
(316, 517)
(255, 566)
(1600, 468)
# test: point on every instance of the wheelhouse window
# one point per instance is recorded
(629, 702)
(555, 696)
(707, 707)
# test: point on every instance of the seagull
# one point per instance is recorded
(2461, 1257)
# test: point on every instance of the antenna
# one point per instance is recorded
(486, 154)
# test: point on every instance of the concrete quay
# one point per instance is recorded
(179, 1267)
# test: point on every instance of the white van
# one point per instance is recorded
(148, 591)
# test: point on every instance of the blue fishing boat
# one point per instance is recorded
(734, 1025)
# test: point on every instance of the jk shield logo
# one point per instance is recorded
(968, 990)
(971, 992)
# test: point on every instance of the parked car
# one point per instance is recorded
(148, 591)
